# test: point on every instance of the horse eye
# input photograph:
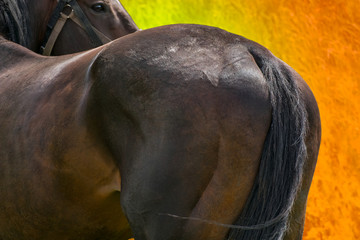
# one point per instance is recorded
(98, 7)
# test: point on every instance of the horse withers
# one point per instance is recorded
(179, 132)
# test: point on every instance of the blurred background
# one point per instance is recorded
(321, 41)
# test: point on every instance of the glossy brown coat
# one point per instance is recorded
(170, 121)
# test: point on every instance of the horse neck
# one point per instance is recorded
(40, 11)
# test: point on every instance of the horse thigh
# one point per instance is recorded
(184, 179)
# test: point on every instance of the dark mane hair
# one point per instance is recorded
(14, 21)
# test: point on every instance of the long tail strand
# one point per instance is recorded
(283, 156)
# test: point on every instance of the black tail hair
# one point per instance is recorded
(266, 213)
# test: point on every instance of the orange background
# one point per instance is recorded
(321, 40)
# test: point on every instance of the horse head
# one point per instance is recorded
(84, 19)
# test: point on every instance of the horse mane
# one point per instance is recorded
(15, 21)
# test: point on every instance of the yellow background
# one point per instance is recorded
(321, 40)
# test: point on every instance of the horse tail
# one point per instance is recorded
(267, 211)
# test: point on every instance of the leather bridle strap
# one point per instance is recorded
(86, 23)
(58, 20)
(47, 49)
(51, 24)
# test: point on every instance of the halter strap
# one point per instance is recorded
(58, 20)
(51, 24)
(88, 27)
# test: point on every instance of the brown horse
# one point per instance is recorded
(182, 132)
(30, 23)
